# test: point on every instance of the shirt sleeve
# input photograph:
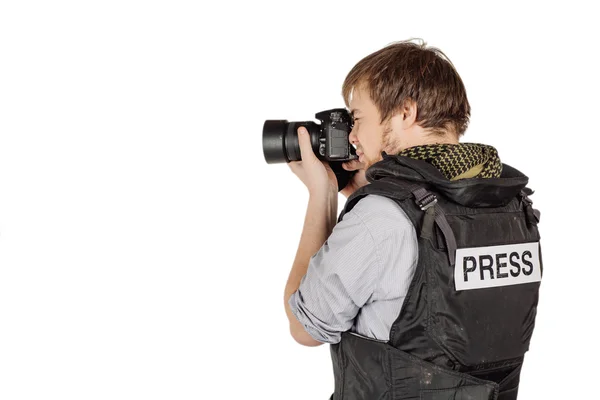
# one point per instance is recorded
(340, 279)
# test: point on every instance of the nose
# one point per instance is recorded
(352, 137)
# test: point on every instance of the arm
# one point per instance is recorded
(320, 219)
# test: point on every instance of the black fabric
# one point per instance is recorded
(474, 192)
(446, 344)
(367, 369)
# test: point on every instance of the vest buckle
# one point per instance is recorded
(427, 202)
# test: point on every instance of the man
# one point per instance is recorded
(427, 286)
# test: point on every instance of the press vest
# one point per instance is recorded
(468, 317)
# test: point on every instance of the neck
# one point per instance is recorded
(434, 139)
(446, 137)
(425, 138)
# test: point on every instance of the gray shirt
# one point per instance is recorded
(359, 278)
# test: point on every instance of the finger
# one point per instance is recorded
(352, 165)
(306, 151)
(349, 165)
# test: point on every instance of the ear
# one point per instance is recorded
(409, 113)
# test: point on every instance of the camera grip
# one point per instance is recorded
(343, 176)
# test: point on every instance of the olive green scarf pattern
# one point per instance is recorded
(459, 161)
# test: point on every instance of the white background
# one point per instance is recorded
(145, 243)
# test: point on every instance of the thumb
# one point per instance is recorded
(306, 151)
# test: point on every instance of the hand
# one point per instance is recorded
(358, 180)
(317, 175)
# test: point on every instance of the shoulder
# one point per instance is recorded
(380, 209)
(380, 215)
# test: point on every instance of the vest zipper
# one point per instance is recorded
(368, 338)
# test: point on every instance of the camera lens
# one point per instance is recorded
(280, 140)
(274, 141)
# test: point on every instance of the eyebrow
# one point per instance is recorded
(352, 111)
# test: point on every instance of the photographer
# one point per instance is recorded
(426, 286)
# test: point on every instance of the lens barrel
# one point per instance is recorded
(274, 132)
(280, 140)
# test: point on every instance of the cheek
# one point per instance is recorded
(373, 140)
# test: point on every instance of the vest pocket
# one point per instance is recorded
(479, 392)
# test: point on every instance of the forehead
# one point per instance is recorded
(359, 100)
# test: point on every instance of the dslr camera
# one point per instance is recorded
(329, 139)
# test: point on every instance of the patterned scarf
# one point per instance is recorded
(459, 161)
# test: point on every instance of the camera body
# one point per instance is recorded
(334, 143)
(329, 140)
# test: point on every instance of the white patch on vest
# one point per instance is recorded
(493, 266)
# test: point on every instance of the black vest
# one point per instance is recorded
(469, 314)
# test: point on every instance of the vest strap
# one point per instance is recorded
(427, 202)
(442, 222)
